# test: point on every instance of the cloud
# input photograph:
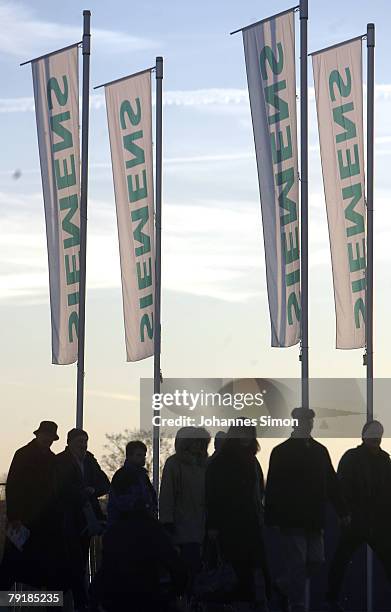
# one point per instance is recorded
(193, 98)
(25, 36)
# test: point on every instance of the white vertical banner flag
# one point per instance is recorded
(270, 62)
(339, 101)
(129, 115)
(56, 95)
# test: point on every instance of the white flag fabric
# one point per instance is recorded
(129, 115)
(270, 62)
(56, 95)
(339, 101)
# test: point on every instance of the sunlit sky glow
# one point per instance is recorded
(214, 313)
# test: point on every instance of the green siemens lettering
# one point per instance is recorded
(357, 262)
(146, 300)
(293, 308)
(138, 191)
(53, 86)
(73, 326)
(358, 285)
(354, 193)
(268, 56)
(287, 179)
(283, 151)
(134, 149)
(68, 178)
(144, 276)
(344, 122)
(291, 254)
(274, 100)
(359, 309)
(71, 204)
(350, 168)
(134, 115)
(147, 323)
(142, 215)
(61, 131)
(336, 79)
(72, 270)
(292, 278)
(73, 298)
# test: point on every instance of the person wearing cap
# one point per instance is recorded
(81, 482)
(301, 481)
(32, 504)
(365, 476)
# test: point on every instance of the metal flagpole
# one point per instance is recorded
(158, 250)
(83, 216)
(304, 220)
(304, 200)
(370, 165)
(369, 276)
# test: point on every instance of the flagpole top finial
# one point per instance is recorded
(370, 35)
(159, 67)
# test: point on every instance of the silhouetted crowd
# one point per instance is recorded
(203, 540)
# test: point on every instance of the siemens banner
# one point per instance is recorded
(129, 114)
(339, 101)
(270, 62)
(56, 95)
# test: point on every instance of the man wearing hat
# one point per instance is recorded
(301, 480)
(81, 482)
(32, 504)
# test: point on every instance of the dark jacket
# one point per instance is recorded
(31, 488)
(130, 488)
(234, 492)
(135, 549)
(301, 480)
(72, 483)
(32, 498)
(366, 484)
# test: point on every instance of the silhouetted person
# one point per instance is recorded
(218, 444)
(301, 480)
(234, 493)
(81, 482)
(131, 483)
(135, 550)
(365, 476)
(32, 503)
(182, 493)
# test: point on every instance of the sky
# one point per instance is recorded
(215, 320)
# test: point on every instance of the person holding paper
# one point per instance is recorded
(34, 547)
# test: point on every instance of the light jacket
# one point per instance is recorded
(182, 495)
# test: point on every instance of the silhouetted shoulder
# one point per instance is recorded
(320, 447)
(171, 460)
(281, 448)
(122, 479)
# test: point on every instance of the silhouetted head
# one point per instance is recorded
(305, 422)
(136, 452)
(372, 434)
(219, 440)
(46, 433)
(77, 441)
(193, 441)
(241, 440)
